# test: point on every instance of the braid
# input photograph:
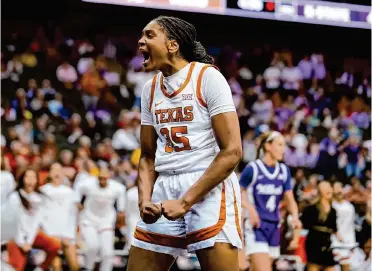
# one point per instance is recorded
(185, 35)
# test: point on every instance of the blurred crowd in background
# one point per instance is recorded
(77, 101)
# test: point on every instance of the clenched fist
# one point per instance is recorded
(174, 209)
(150, 212)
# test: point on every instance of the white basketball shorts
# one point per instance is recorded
(215, 219)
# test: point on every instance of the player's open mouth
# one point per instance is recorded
(147, 58)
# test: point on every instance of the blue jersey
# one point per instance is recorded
(265, 187)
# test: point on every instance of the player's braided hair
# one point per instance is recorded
(185, 34)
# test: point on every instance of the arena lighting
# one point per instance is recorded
(254, 5)
(301, 11)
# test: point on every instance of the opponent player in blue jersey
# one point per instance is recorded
(265, 182)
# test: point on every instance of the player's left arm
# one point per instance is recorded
(218, 100)
(290, 201)
(121, 199)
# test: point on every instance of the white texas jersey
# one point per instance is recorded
(60, 211)
(99, 204)
(180, 108)
(345, 221)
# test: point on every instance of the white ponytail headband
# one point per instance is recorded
(273, 135)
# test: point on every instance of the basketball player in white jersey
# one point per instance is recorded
(345, 225)
(132, 214)
(60, 216)
(9, 211)
(98, 217)
(190, 145)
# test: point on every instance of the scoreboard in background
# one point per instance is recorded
(302, 11)
(203, 6)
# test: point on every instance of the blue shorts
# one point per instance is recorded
(265, 239)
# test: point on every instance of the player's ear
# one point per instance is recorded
(172, 46)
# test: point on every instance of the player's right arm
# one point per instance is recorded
(246, 179)
(150, 212)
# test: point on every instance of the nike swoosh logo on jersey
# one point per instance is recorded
(156, 104)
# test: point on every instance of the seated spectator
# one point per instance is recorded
(47, 89)
(29, 59)
(364, 90)
(272, 78)
(262, 110)
(66, 74)
(357, 194)
(306, 68)
(92, 85)
(292, 78)
(31, 88)
(38, 100)
(15, 69)
(352, 150)
(319, 68)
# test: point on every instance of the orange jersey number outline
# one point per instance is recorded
(173, 136)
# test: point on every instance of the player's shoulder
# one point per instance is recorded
(283, 166)
(209, 70)
(6, 175)
(117, 185)
(148, 85)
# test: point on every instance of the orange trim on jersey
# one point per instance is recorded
(160, 239)
(209, 232)
(198, 85)
(153, 85)
(178, 91)
(236, 211)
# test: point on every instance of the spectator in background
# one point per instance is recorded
(25, 131)
(346, 79)
(84, 63)
(357, 194)
(137, 76)
(67, 74)
(345, 227)
(364, 90)
(38, 101)
(362, 119)
(92, 85)
(292, 79)
(47, 89)
(272, 78)
(31, 88)
(262, 110)
(28, 59)
(56, 105)
(109, 49)
(352, 150)
(319, 69)
(306, 68)
(249, 147)
(124, 138)
(15, 69)
(320, 220)
(329, 150)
